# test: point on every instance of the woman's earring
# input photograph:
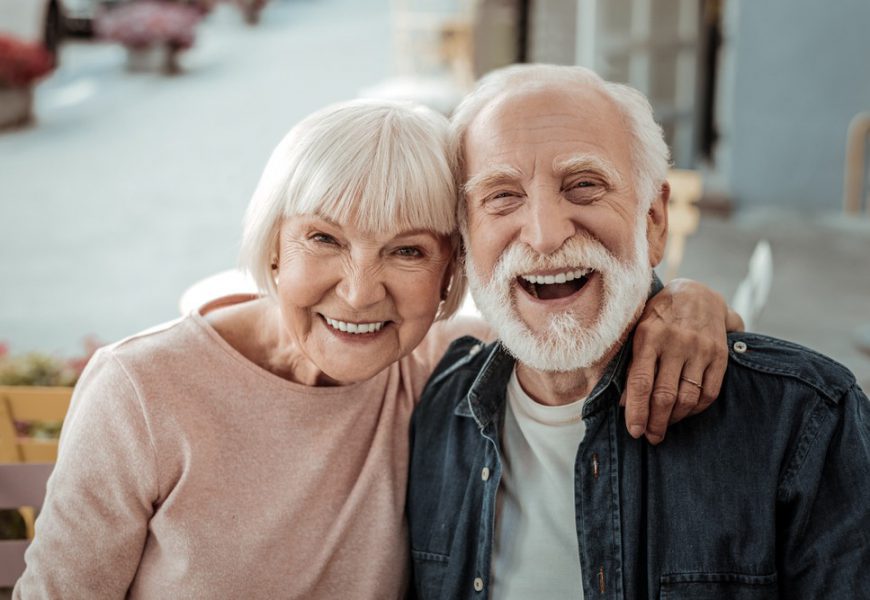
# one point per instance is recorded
(274, 263)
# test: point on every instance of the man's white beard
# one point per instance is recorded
(567, 344)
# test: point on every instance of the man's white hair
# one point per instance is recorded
(650, 154)
(382, 166)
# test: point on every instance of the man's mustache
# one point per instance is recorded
(579, 251)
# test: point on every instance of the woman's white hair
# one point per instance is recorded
(382, 166)
(650, 153)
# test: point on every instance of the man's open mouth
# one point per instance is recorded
(554, 286)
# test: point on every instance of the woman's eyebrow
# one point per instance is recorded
(414, 232)
(578, 163)
(490, 177)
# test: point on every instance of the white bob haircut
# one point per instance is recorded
(382, 166)
(650, 153)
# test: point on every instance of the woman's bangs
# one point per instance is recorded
(379, 190)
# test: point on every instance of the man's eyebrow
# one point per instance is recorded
(492, 176)
(578, 163)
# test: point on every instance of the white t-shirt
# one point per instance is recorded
(536, 553)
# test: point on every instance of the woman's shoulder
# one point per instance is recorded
(162, 353)
(172, 337)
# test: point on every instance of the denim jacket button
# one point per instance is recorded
(478, 584)
(484, 474)
(740, 347)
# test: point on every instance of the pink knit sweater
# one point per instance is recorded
(186, 471)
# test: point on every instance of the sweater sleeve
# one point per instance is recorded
(100, 497)
(825, 542)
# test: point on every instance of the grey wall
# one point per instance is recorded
(794, 73)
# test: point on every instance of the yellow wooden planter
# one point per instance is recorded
(30, 403)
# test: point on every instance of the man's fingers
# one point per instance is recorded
(638, 389)
(689, 394)
(663, 399)
(712, 382)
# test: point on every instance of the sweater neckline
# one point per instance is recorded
(289, 386)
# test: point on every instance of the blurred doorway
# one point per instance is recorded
(668, 49)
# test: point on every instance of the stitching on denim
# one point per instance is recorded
(719, 577)
(613, 424)
(807, 440)
(433, 556)
(830, 394)
(456, 345)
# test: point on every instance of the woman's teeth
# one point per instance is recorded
(558, 278)
(354, 327)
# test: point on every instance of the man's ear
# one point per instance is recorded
(657, 225)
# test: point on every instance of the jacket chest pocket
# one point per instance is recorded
(429, 571)
(717, 586)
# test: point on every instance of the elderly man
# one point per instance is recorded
(523, 484)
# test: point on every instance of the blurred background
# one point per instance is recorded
(132, 133)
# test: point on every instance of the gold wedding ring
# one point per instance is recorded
(693, 382)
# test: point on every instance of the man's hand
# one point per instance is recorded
(679, 359)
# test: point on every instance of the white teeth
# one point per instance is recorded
(354, 327)
(559, 278)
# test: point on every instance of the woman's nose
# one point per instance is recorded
(362, 287)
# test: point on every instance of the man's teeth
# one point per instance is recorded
(354, 327)
(558, 278)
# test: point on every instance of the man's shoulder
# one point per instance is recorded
(457, 370)
(761, 356)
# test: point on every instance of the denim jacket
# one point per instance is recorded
(764, 495)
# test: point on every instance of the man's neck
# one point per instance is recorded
(554, 388)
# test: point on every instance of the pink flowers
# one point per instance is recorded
(149, 23)
(22, 63)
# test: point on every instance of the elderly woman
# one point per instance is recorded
(260, 450)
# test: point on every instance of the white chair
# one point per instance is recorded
(752, 293)
(226, 284)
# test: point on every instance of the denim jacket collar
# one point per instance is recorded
(485, 398)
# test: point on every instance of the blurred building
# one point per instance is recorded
(758, 95)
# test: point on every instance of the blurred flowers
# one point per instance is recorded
(251, 9)
(148, 23)
(22, 63)
(36, 368)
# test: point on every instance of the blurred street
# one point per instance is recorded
(131, 187)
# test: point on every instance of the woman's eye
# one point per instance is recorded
(409, 252)
(323, 238)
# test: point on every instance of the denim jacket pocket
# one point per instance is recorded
(717, 586)
(429, 571)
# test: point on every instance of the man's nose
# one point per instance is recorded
(548, 224)
(362, 286)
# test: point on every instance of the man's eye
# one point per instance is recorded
(409, 252)
(323, 238)
(583, 191)
(502, 202)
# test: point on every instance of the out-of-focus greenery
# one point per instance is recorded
(36, 369)
(12, 525)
